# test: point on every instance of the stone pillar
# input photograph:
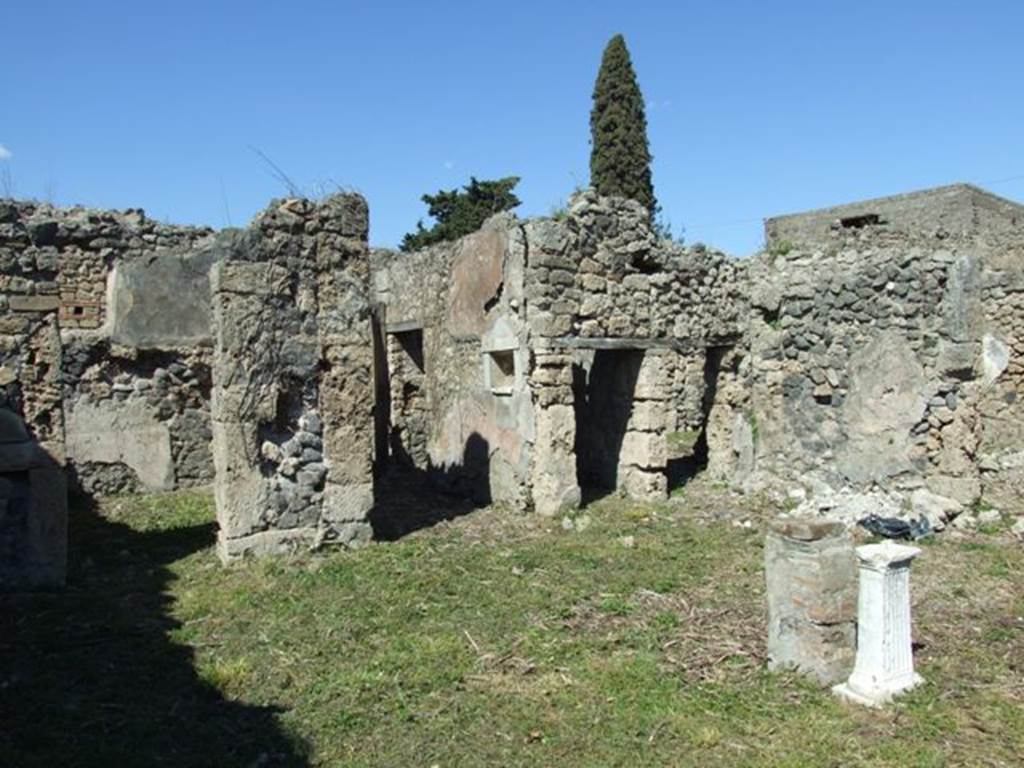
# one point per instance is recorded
(553, 476)
(885, 661)
(811, 575)
(291, 408)
(643, 459)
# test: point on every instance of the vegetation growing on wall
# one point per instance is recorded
(458, 213)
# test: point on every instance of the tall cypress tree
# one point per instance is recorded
(620, 161)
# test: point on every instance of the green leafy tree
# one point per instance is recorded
(458, 213)
(620, 161)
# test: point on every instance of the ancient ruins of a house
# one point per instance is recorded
(537, 363)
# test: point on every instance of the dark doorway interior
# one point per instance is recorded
(603, 396)
(381, 395)
(683, 469)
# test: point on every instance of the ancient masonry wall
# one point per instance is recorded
(957, 208)
(452, 320)
(493, 343)
(600, 284)
(872, 346)
(1000, 405)
(886, 358)
(293, 380)
(109, 360)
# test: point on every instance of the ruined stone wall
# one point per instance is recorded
(137, 419)
(120, 386)
(952, 211)
(883, 359)
(598, 281)
(30, 366)
(293, 381)
(457, 415)
(1000, 405)
(874, 345)
(603, 273)
(409, 425)
(859, 351)
(518, 319)
(69, 252)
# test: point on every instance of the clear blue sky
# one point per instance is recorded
(754, 108)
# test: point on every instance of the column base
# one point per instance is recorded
(874, 697)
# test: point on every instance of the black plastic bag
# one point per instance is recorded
(895, 528)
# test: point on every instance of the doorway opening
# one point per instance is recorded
(693, 458)
(603, 390)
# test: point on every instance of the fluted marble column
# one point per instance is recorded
(885, 663)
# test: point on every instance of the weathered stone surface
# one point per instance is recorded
(812, 595)
(33, 512)
(293, 388)
(995, 358)
(643, 449)
(347, 503)
(880, 410)
(890, 359)
(56, 267)
(937, 510)
(33, 303)
(476, 279)
(162, 301)
(125, 433)
(808, 529)
(554, 472)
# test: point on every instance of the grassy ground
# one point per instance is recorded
(633, 638)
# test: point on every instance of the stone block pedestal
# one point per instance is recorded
(811, 576)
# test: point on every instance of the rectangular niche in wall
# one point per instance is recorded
(501, 369)
(411, 342)
(502, 359)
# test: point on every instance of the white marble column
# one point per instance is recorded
(885, 663)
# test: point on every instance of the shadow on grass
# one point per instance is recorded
(90, 677)
(408, 499)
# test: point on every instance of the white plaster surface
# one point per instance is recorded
(885, 663)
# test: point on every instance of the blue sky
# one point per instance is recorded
(754, 108)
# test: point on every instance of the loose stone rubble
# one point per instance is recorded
(869, 359)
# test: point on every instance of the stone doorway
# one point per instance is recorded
(406, 380)
(604, 385)
(692, 457)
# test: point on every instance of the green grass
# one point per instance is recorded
(495, 640)
(682, 442)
